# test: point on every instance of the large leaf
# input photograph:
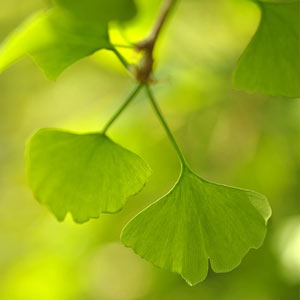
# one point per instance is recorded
(271, 62)
(100, 10)
(55, 41)
(82, 174)
(199, 221)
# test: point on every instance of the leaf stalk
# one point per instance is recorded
(165, 125)
(128, 100)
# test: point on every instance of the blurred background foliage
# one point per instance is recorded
(228, 136)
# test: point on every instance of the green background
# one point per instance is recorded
(228, 136)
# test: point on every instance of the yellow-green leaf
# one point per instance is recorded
(199, 222)
(84, 174)
(54, 40)
(271, 62)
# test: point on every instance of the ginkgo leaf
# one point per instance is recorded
(84, 174)
(100, 10)
(54, 40)
(198, 222)
(271, 62)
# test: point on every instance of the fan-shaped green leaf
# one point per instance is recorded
(100, 10)
(271, 62)
(55, 41)
(199, 221)
(84, 174)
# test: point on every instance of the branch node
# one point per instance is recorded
(144, 71)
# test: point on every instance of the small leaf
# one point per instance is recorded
(199, 221)
(84, 174)
(271, 62)
(54, 40)
(100, 10)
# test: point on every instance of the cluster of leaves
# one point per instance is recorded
(88, 174)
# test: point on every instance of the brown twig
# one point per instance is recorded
(145, 69)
